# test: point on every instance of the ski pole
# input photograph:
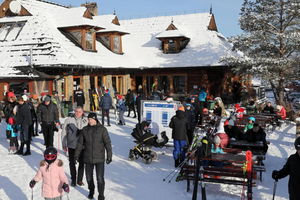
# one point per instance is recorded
(175, 170)
(31, 193)
(274, 189)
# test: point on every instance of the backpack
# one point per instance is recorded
(206, 147)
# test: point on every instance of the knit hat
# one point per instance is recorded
(47, 99)
(231, 122)
(10, 94)
(11, 121)
(35, 96)
(297, 143)
(181, 108)
(252, 119)
(93, 116)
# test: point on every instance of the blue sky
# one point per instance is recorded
(226, 11)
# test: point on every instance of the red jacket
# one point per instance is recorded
(282, 113)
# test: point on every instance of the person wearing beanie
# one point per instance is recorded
(24, 120)
(47, 115)
(121, 108)
(94, 141)
(179, 125)
(232, 131)
(106, 104)
(291, 168)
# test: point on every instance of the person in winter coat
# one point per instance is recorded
(24, 120)
(195, 104)
(139, 100)
(9, 106)
(281, 112)
(51, 172)
(257, 134)
(121, 107)
(12, 128)
(249, 125)
(105, 104)
(291, 168)
(217, 110)
(94, 141)
(79, 97)
(179, 124)
(71, 131)
(129, 101)
(269, 108)
(233, 131)
(191, 122)
(202, 100)
(47, 115)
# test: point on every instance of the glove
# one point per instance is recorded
(32, 183)
(66, 188)
(108, 160)
(275, 175)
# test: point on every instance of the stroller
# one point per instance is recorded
(145, 140)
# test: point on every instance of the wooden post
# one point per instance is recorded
(68, 87)
(85, 87)
(59, 89)
(171, 78)
(127, 83)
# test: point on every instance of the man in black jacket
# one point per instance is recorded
(179, 125)
(47, 114)
(24, 119)
(129, 101)
(93, 141)
(292, 168)
(105, 104)
(79, 98)
(139, 100)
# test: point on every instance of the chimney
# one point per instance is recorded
(92, 7)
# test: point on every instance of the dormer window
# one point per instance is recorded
(82, 37)
(111, 41)
(10, 31)
(173, 40)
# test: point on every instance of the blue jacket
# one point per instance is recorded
(121, 106)
(13, 129)
(106, 102)
(202, 96)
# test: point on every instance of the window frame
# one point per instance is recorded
(111, 44)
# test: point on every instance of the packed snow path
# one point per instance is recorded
(134, 180)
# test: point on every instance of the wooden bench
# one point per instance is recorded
(232, 172)
(256, 149)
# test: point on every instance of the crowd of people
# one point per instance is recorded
(86, 140)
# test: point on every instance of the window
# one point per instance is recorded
(112, 42)
(174, 45)
(89, 41)
(179, 84)
(10, 31)
(116, 45)
(105, 41)
(76, 35)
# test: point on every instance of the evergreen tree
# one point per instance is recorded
(270, 42)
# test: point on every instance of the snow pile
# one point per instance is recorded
(134, 180)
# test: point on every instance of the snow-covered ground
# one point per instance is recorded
(134, 180)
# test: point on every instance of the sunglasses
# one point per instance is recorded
(50, 156)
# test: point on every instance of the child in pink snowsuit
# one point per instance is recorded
(51, 172)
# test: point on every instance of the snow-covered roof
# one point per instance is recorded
(171, 34)
(141, 48)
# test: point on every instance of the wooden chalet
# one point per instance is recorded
(66, 48)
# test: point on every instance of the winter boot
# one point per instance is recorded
(28, 149)
(177, 162)
(20, 151)
(91, 195)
